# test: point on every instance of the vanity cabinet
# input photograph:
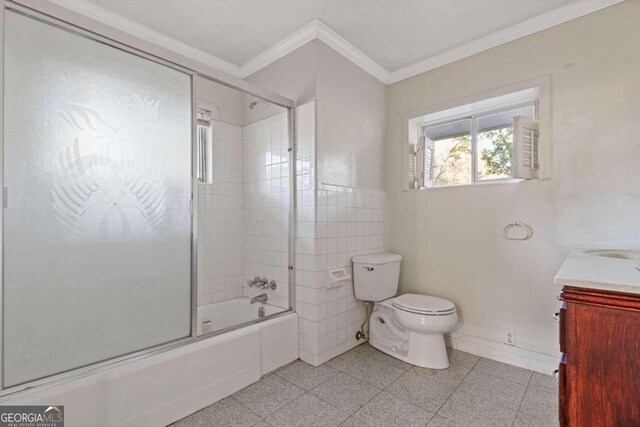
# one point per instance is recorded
(599, 373)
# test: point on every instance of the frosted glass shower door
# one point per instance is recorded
(97, 225)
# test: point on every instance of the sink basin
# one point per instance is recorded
(614, 253)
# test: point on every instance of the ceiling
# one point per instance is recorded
(394, 34)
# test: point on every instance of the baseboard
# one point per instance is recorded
(528, 359)
(319, 359)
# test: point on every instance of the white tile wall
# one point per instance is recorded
(266, 206)
(244, 230)
(332, 225)
(220, 220)
(243, 214)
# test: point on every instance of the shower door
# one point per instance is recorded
(97, 216)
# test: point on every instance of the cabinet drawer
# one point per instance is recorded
(561, 316)
(562, 392)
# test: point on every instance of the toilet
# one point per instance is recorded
(409, 327)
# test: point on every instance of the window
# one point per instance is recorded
(486, 141)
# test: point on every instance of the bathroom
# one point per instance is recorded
(293, 214)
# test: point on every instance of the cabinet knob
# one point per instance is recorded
(556, 374)
(556, 317)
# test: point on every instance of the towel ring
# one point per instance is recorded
(507, 231)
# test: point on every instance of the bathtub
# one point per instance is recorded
(163, 388)
(226, 314)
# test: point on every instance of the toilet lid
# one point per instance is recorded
(424, 304)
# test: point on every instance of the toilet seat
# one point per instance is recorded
(424, 305)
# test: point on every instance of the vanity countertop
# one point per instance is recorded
(587, 270)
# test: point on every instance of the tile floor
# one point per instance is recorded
(365, 387)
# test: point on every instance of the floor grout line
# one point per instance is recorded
(458, 386)
(246, 407)
(522, 400)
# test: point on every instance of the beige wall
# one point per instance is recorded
(451, 238)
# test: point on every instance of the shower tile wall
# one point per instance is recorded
(220, 220)
(332, 225)
(266, 206)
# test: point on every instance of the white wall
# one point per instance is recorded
(226, 105)
(451, 238)
(243, 214)
(345, 121)
(220, 204)
(332, 225)
(220, 220)
(266, 195)
(292, 76)
(351, 150)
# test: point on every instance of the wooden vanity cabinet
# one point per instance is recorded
(599, 373)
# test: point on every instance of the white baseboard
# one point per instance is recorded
(528, 359)
(319, 359)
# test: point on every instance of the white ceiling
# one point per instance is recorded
(393, 33)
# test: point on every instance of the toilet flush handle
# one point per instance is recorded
(368, 268)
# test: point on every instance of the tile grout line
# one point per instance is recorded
(522, 400)
(245, 406)
(384, 389)
(309, 391)
(347, 374)
(458, 386)
(379, 390)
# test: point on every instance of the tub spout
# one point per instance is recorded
(259, 298)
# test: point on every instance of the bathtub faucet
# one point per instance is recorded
(262, 283)
(259, 298)
(258, 282)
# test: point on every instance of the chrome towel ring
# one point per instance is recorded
(506, 232)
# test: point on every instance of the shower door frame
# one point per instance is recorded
(82, 26)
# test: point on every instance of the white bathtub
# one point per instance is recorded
(225, 314)
(163, 388)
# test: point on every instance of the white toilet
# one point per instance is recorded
(409, 327)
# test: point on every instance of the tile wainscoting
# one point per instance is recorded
(332, 225)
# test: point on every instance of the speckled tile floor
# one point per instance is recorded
(365, 387)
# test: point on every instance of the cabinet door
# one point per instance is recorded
(603, 363)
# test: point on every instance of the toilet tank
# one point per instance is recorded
(375, 277)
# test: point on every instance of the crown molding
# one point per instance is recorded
(284, 47)
(316, 29)
(342, 46)
(533, 25)
(136, 29)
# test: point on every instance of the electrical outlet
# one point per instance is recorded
(509, 337)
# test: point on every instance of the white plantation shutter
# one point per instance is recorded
(411, 164)
(423, 163)
(526, 156)
(429, 151)
(420, 163)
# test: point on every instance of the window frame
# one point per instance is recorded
(473, 117)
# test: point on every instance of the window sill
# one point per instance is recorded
(476, 184)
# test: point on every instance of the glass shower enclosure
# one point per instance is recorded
(101, 217)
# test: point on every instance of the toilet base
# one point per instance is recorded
(426, 350)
